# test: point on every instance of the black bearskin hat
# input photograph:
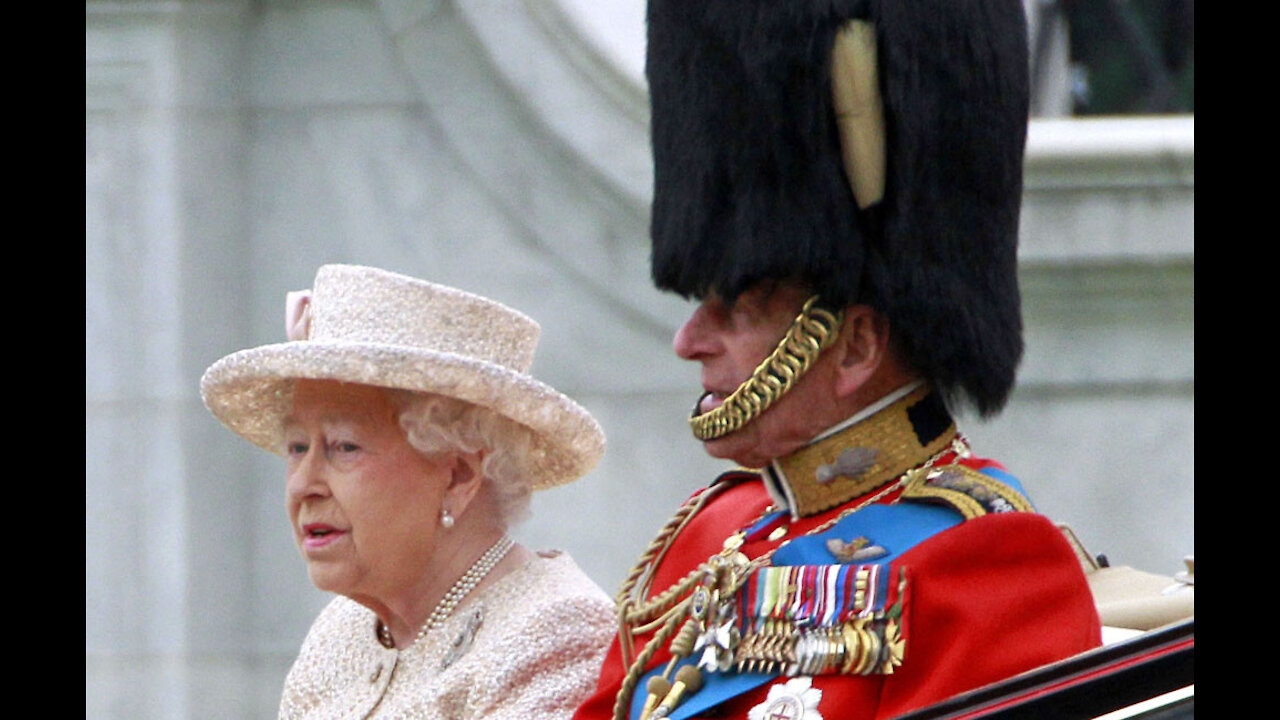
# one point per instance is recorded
(749, 181)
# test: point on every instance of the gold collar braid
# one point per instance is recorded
(864, 456)
(813, 330)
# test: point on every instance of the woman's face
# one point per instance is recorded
(362, 501)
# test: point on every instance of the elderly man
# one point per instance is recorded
(838, 185)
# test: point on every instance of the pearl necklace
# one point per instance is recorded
(464, 585)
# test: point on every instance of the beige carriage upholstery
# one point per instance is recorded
(1132, 601)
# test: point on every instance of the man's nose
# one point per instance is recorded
(694, 339)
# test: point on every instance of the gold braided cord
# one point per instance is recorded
(637, 616)
(659, 545)
(813, 330)
(628, 688)
(653, 553)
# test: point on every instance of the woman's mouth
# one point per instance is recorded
(318, 535)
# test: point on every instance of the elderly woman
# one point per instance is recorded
(414, 437)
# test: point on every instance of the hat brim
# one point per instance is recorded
(251, 393)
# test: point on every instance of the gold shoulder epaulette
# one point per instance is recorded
(969, 492)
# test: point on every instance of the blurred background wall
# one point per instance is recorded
(501, 146)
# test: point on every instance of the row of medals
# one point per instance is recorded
(859, 646)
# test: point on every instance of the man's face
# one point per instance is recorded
(730, 342)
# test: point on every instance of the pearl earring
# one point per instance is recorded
(446, 520)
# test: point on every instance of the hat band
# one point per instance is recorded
(812, 331)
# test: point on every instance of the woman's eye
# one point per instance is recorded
(345, 447)
(296, 448)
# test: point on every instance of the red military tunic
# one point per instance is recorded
(991, 588)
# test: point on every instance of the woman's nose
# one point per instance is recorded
(305, 475)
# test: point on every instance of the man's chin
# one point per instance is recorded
(740, 447)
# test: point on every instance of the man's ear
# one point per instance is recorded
(466, 475)
(863, 343)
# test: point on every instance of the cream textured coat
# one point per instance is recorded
(530, 645)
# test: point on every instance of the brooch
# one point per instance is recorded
(462, 643)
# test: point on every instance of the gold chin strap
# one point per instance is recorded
(813, 330)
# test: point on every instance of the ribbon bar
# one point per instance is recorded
(816, 619)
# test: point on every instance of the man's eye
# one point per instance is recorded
(296, 448)
(345, 447)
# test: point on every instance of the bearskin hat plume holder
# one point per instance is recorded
(751, 182)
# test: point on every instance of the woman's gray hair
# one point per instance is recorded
(436, 424)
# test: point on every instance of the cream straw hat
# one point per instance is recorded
(369, 326)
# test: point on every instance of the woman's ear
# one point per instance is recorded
(864, 342)
(465, 479)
